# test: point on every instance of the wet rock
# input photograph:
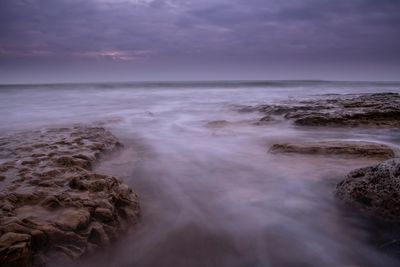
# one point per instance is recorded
(220, 124)
(97, 235)
(97, 185)
(15, 250)
(104, 215)
(357, 149)
(51, 202)
(73, 161)
(383, 118)
(55, 206)
(217, 123)
(73, 219)
(375, 189)
(373, 110)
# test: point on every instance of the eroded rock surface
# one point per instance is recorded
(376, 110)
(51, 203)
(343, 148)
(374, 189)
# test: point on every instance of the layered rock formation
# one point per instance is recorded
(51, 202)
(382, 110)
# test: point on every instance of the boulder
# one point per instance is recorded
(375, 189)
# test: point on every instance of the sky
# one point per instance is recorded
(45, 41)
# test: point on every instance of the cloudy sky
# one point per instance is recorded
(128, 40)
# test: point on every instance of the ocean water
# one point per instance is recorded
(212, 195)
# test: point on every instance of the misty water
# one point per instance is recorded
(210, 194)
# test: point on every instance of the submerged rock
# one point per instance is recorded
(374, 189)
(374, 110)
(53, 205)
(217, 124)
(358, 149)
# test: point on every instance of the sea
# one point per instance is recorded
(211, 194)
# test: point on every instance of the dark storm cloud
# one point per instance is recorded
(182, 31)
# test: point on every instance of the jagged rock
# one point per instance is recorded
(374, 189)
(98, 235)
(104, 215)
(359, 149)
(53, 204)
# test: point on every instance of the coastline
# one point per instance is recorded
(58, 161)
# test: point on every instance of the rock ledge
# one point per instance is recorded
(365, 110)
(343, 148)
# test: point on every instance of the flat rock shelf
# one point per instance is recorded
(336, 148)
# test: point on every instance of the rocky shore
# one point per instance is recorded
(374, 191)
(52, 205)
(368, 110)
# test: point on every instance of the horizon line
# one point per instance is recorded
(199, 82)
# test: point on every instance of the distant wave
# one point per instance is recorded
(208, 84)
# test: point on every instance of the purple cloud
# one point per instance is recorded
(181, 32)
